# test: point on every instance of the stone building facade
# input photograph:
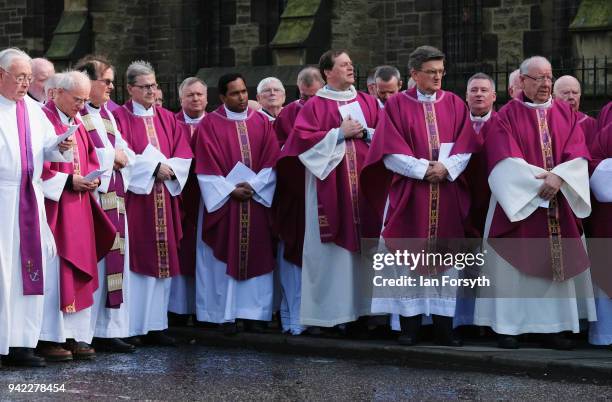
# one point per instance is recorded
(182, 37)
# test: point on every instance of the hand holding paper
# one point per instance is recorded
(91, 176)
(63, 137)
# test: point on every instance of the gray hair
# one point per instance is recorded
(386, 73)
(136, 69)
(524, 68)
(8, 57)
(50, 83)
(70, 79)
(40, 63)
(188, 82)
(266, 81)
(423, 54)
(513, 76)
(482, 76)
(307, 76)
(370, 79)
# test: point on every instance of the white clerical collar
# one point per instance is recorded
(484, 118)
(328, 93)
(236, 116)
(64, 118)
(544, 105)
(268, 115)
(189, 120)
(140, 110)
(425, 97)
(92, 109)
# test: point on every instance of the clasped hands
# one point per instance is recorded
(79, 184)
(550, 187)
(351, 128)
(436, 172)
(243, 192)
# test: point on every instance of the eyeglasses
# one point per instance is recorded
(271, 90)
(107, 82)
(149, 87)
(76, 99)
(541, 78)
(21, 78)
(433, 73)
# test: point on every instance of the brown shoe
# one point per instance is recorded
(53, 352)
(80, 350)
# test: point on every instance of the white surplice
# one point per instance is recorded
(334, 286)
(149, 296)
(563, 304)
(111, 322)
(21, 316)
(219, 297)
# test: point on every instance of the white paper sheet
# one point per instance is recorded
(60, 138)
(91, 176)
(240, 173)
(353, 109)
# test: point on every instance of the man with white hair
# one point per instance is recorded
(42, 70)
(514, 84)
(388, 82)
(567, 88)
(159, 173)
(110, 314)
(271, 96)
(193, 96)
(535, 257)
(27, 242)
(288, 208)
(83, 233)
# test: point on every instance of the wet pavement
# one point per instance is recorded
(196, 372)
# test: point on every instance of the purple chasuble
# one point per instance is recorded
(239, 233)
(29, 225)
(344, 214)
(154, 219)
(544, 137)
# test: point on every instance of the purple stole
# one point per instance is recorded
(434, 188)
(29, 225)
(245, 207)
(554, 229)
(113, 204)
(477, 124)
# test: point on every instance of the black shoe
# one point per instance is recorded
(358, 329)
(112, 345)
(444, 334)
(23, 357)
(558, 342)
(229, 328)
(410, 330)
(507, 342)
(135, 341)
(159, 338)
(255, 326)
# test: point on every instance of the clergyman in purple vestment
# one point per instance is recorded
(535, 258)
(235, 151)
(163, 159)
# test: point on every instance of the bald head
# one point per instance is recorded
(536, 79)
(42, 70)
(567, 88)
(514, 84)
